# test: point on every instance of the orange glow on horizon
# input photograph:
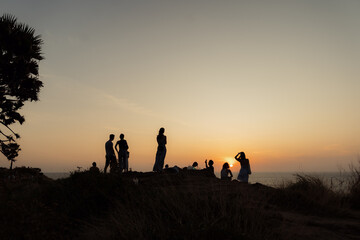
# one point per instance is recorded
(230, 160)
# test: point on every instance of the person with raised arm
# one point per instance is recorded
(210, 167)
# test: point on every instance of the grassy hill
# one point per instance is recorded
(185, 205)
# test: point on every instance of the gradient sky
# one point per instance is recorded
(278, 80)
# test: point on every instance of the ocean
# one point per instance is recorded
(335, 180)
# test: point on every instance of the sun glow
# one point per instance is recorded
(230, 160)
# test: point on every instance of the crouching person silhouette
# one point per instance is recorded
(94, 169)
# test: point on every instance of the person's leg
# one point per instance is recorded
(126, 163)
(120, 164)
(113, 164)
(157, 160)
(123, 160)
(107, 162)
(162, 159)
(246, 178)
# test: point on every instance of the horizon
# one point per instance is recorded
(277, 80)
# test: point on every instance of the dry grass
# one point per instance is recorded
(182, 212)
(188, 205)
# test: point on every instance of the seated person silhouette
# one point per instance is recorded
(94, 169)
(193, 167)
(210, 167)
(174, 169)
(226, 173)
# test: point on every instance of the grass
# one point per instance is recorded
(354, 187)
(188, 205)
(310, 195)
(181, 212)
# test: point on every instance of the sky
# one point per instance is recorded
(278, 80)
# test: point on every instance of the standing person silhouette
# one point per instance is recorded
(161, 151)
(110, 157)
(245, 167)
(122, 153)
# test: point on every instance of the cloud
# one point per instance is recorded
(129, 106)
(78, 88)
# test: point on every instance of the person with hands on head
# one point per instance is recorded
(245, 170)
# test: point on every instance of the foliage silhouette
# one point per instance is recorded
(20, 52)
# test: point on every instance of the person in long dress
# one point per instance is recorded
(161, 151)
(245, 170)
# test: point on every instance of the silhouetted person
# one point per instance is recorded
(110, 158)
(245, 167)
(161, 151)
(193, 166)
(210, 167)
(122, 153)
(94, 169)
(174, 169)
(226, 173)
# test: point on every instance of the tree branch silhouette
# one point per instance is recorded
(20, 52)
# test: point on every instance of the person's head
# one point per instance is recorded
(167, 166)
(94, 164)
(242, 155)
(226, 166)
(195, 164)
(161, 131)
(121, 136)
(111, 137)
(211, 162)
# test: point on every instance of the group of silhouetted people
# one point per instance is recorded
(244, 172)
(121, 164)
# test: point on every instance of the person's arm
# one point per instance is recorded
(112, 149)
(206, 163)
(127, 146)
(117, 143)
(230, 173)
(165, 139)
(237, 157)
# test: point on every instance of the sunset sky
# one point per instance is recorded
(279, 80)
